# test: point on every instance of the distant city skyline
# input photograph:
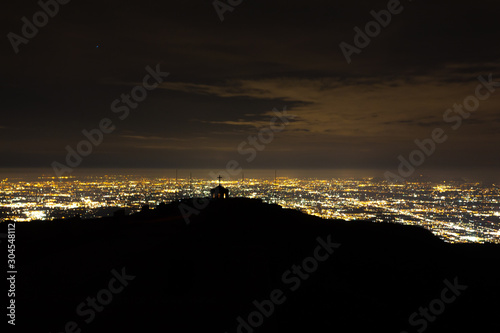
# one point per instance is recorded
(477, 174)
(456, 211)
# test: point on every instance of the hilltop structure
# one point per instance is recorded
(237, 250)
(219, 192)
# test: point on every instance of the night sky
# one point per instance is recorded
(226, 77)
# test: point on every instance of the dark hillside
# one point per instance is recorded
(201, 277)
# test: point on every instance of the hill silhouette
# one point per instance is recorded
(235, 257)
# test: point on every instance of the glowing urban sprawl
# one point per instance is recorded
(454, 211)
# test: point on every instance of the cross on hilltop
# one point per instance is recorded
(219, 192)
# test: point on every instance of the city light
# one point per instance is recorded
(457, 212)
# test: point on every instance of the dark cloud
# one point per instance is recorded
(227, 77)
